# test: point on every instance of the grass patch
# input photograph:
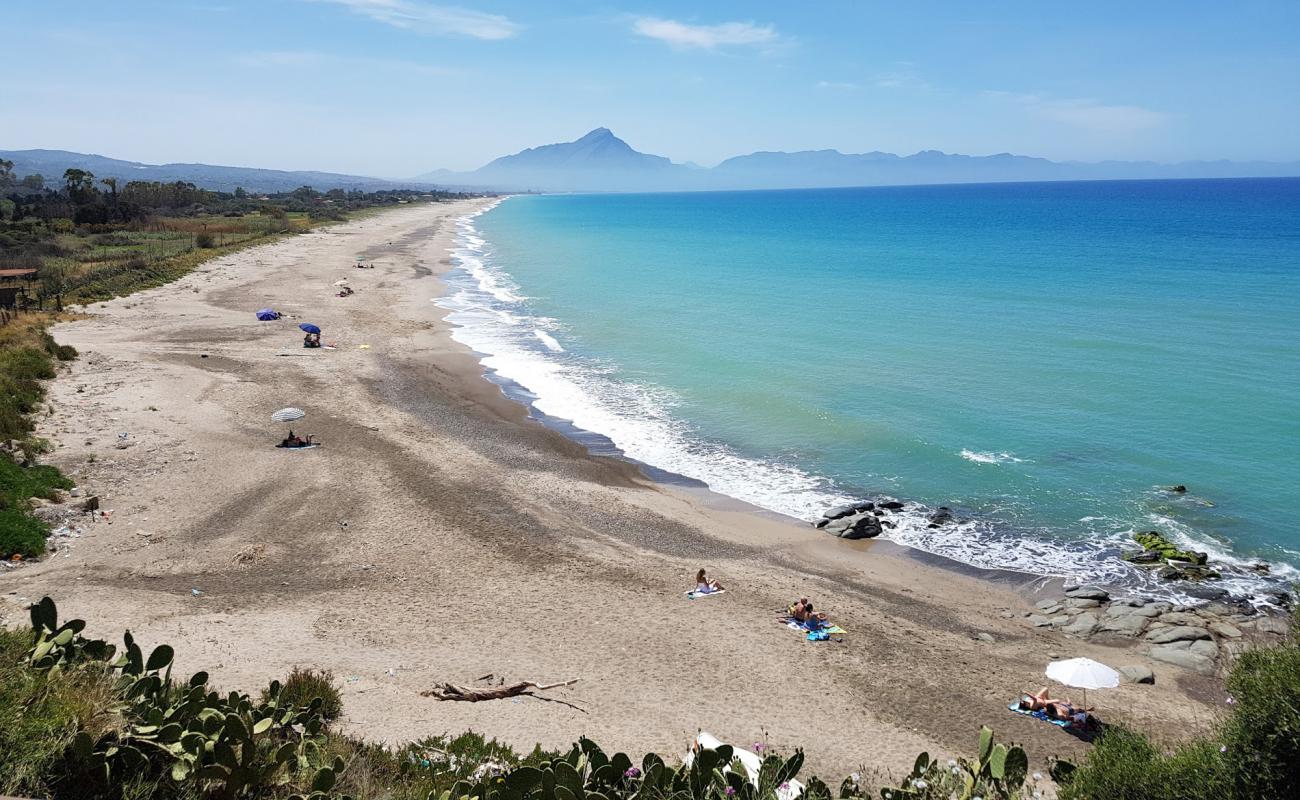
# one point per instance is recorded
(305, 685)
(27, 357)
(40, 713)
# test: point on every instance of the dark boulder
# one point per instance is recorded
(1206, 592)
(892, 505)
(840, 511)
(943, 516)
(1179, 489)
(1145, 557)
(860, 526)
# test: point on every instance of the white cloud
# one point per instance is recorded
(902, 76)
(278, 58)
(1101, 118)
(1090, 115)
(707, 37)
(288, 59)
(837, 85)
(421, 17)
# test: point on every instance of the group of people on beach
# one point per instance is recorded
(801, 611)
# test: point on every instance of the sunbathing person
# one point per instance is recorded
(1066, 711)
(311, 340)
(1031, 701)
(803, 612)
(703, 585)
(293, 440)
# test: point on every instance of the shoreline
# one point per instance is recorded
(494, 291)
(479, 541)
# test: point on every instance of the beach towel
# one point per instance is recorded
(694, 595)
(824, 633)
(1016, 709)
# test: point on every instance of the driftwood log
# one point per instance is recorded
(473, 694)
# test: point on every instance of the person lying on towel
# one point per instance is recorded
(1066, 711)
(1035, 701)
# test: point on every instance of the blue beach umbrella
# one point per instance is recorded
(267, 314)
(310, 328)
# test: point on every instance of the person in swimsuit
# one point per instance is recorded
(1035, 701)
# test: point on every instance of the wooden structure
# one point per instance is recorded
(13, 287)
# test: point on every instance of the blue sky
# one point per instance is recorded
(399, 87)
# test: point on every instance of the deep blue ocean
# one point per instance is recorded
(1044, 359)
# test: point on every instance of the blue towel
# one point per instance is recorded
(1015, 708)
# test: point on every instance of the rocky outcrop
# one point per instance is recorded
(864, 520)
(1194, 638)
(1178, 633)
(1136, 673)
(862, 525)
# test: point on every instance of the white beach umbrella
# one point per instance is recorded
(341, 283)
(1083, 673)
(288, 415)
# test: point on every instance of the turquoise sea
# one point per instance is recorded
(1041, 358)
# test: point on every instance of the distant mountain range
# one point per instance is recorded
(52, 163)
(602, 162)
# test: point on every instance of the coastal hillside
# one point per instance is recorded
(602, 162)
(598, 161)
(51, 164)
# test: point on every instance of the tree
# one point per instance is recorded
(80, 185)
(240, 194)
(111, 183)
(6, 172)
(34, 181)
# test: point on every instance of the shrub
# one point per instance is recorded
(21, 534)
(1125, 765)
(305, 685)
(204, 240)
(1252, 754)
(1262, 735)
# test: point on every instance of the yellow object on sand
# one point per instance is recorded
(363, 347)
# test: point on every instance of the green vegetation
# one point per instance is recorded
(81, 719)
(1253, 753)
(27, 357)
(1156, 544)
(997, 772)
(305, 685)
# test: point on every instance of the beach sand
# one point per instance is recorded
(440, 535)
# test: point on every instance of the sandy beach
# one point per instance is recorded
(439, 534)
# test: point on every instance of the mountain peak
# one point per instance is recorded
(598, 134)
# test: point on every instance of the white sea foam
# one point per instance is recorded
(491, 316)
(548, 340)
(990, 458)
